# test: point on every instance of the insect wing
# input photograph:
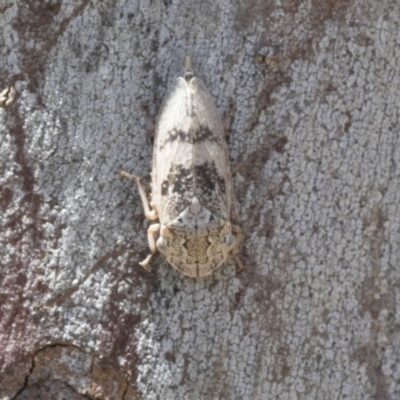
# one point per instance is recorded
(211, 159)
(172, 155)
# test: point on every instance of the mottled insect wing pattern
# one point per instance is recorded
(191, 181)
(190, 155)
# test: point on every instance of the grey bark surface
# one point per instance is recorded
(315, 89)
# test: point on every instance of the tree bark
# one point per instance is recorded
(314, 86)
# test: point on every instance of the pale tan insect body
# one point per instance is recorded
(192, 194)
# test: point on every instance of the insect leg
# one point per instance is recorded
(227, 121)
(150, 122)
(150, 214)
(237, 231)
(152, 244)
(234, 210)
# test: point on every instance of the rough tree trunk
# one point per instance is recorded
(315, 89)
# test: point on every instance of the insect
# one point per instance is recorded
(191, 188)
